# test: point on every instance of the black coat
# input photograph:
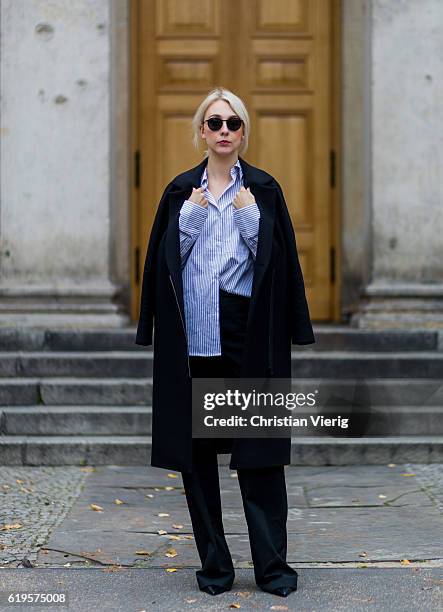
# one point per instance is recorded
(278, 316)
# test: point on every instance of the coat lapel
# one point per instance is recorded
(265, 196)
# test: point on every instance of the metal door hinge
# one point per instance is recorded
(137, 169)
(332, 168)
(332, 264)
(137, 265)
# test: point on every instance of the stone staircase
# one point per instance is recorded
(82, 397)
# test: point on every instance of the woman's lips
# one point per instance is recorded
(224, 142)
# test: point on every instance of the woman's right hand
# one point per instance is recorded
(198, 198)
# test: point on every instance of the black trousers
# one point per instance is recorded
(263, 490)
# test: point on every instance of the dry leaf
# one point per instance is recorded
(169, 488)
(18, 481)
(382, 496)
(162, 531)
(118, 502)
(235, 605)
(172, 476)
(177, 526)
(189, 537)
(174, 537)
(392, 464)
(149, 495)
(171, 569)
(407, 474)
(190, 600)
(171, 552)
(279, 607)
(88, 468)
(405, 562)
(142, 552)
(163, 514)
(363, 554)
(96, 507)
(11, 526)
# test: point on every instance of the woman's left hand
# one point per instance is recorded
(244, 197)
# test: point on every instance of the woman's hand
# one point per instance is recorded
(244, 197)
(198, 198)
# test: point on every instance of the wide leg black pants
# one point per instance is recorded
(263, 490)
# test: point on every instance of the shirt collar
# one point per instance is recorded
(234, 173)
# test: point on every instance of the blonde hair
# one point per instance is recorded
(237, 105)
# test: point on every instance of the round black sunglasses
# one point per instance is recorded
(233, 123)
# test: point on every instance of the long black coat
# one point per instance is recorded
(278, 316)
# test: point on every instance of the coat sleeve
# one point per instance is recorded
(301, 327)
(147, 301)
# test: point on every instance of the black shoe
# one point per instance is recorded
(215, 589)
(283, 591)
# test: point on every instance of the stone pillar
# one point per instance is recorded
(406, 161)
(57, 212)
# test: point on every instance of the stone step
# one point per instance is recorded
(307, 364)
(76, 420)
(138, 391)
(137, 420)
(135, 450)
(328, 337)
(75, 391)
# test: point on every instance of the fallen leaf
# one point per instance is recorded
(235, 605)
(171, 552)
(118, 502)
(392, 464)
(234, 475)
(407, 474)
(96, 507)
(149, 495)
(142, 552)
(405, 562)
(382, 496)
(189, 537)
(171, 569)
(172, 476)
(363, 554)
(177, 526)
(18, 481)
(190, 600)
(163, 514)
(174, 537)
(279, 607)
(162, 531)
(88, 469)
(169, 488)
(11, 526)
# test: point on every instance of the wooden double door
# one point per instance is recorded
(280, 57)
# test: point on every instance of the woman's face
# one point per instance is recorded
(222, 109)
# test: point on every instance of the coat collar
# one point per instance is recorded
(265, 195)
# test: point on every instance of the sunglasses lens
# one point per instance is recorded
(233, 124)
(214, 124)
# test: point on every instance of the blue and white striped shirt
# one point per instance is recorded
(218, 246)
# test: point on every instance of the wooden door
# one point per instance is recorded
(275, 55)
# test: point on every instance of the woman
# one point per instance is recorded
(223, 284)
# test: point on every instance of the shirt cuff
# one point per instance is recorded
(192, 217)
(247, 219)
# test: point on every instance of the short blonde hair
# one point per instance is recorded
(237, 105)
